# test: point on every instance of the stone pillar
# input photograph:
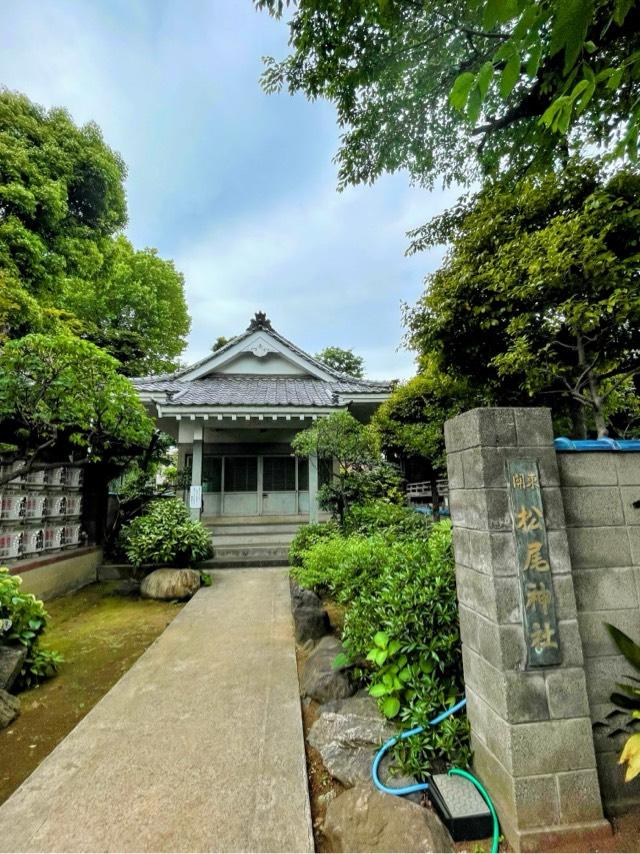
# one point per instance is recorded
(531, 730)
(313, 488)
(196, 468)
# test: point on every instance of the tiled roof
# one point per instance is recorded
(248, 390)
(256, 390)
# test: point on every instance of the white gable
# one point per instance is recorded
(258, 353)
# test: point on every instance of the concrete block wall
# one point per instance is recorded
(603, 526)
(531, 730)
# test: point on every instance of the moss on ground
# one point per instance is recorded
(100, 635)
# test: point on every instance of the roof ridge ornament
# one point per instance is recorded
(259, 321)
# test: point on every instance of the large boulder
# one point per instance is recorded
(320, 680)
(347, 735)
(170, 584)
(11, 661)
(365, 819)
(9, 708)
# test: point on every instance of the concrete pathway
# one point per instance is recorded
(198, 747)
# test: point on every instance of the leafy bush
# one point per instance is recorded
(401, 626)
(342, 565)
(355, 486)
(307, 536)
(384, 517)
(166, 536)
(23, 619)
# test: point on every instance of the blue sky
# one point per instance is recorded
(238, 187)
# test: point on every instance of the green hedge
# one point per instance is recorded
(401, 624)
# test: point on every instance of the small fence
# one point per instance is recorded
(40, 512)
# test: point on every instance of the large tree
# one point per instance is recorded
(450, 89)
(134, 307)
(344, 361)
(538, 298)
(63, 259)
(62, 398)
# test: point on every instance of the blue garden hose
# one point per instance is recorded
(420, 787)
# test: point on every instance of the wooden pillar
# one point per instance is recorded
(195, 493)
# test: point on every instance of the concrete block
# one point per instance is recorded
(579, 794)
(476, 591)
(488, 728)
(631, 504)
(600, 546)
(634, 543)
(536, 801)
(593, 506)
(508, 599)
(488, 426)
(488, 639)
(553, 506)
(486, 681)
(526, 697)
(486, 467)
(497, 780)
(570, 643)
(596, 641)
(550, 746)
(498, 516)
(455, 471)
(595, 469)
(602, 675)
(502, 550)
(605, 589)
(513, 647)
(628, 466)
(480, 509)
(461, 549)
(559, 555)
(567, 693)
(564, 596)
(534, 426)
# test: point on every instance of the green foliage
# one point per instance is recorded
(58, 390)
(205, 579)
(451, 89)
(25, 619)
(627, 702)
(354, 485)
(307, 536)
(220, 342)
(343, 361)
(166, 536)
(387, 519)
(541, 286)
(352, 446)
(134, 307)
(401, 623)
(63, 260)
(411, 421)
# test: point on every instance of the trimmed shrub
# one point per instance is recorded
(23, 619)
(388, 519)
(307, 536)
(166, 536)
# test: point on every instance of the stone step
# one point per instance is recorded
(251, 539)
(253, 528)
(239, 552)
(245, 563)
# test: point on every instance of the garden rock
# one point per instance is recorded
(347, 735)
(11, 661)
(320, 680)
(127, 587)
(365, 819)
(170, 584)
(309, 617)
(9, 708)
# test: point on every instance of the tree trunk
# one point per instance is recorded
(596, 398)
(578, 420)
